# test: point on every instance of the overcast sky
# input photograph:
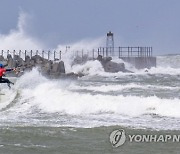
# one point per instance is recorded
(153, 23)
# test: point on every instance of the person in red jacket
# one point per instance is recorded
(2, 73)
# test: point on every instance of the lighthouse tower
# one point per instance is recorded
(110, 44)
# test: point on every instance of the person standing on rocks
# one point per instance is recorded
(2, 73)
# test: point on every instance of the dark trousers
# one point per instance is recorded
(4, 80)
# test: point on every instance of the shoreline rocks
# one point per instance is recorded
(112, 67)
(47, 67)
(56, 69)
(106, 62)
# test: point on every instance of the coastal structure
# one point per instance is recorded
(140, 57)
(110, 43)
(51, 62)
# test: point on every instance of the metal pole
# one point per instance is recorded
(54, 55)
(128, 51)
(59, 55)
(103, 53)
(121, 51)
(144, 51)
(151, 51)
(20, 53)
(48, 54)
(43, 53)
(31, 53)
(13, 53)
(93, 54)
(106, 52)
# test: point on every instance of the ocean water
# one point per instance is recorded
(77, 116)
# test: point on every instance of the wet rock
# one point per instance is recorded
(110, 66)
(113, 67)
(46, 69)
(100, 58)
(80, 74)
(71, 75)
(10, 62)
(9, 56)
(107, 59)
(2, 58)
(62, 67)
(58, 67)
(3, 61)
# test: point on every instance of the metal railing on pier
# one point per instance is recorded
(50, 55)
(55, 55)
(125, 52)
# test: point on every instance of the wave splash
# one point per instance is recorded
(39, 95)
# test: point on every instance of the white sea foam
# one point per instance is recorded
(115, 88)
(58, 100)
(53, 96)
(95, 68)
(89, 68)
(6, 97)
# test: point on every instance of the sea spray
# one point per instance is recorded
(89, 68)
(52, 96)
(140, 99)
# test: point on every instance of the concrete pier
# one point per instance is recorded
(139, 57)
(141, 62)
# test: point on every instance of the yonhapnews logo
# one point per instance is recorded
(119, 137)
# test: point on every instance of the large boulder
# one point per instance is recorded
(114, 67)
(9, 56)
(110, 66)
(18, 62)
(55, 67)
(100, 58)
(37, 59)
(3, 61)
(27, 60)
(104, 59)
(2, 58)
(16, 57)
(10, 62)
(62, 67)
(46, 68)
(58, 67)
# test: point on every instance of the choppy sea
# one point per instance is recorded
(40, 115)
